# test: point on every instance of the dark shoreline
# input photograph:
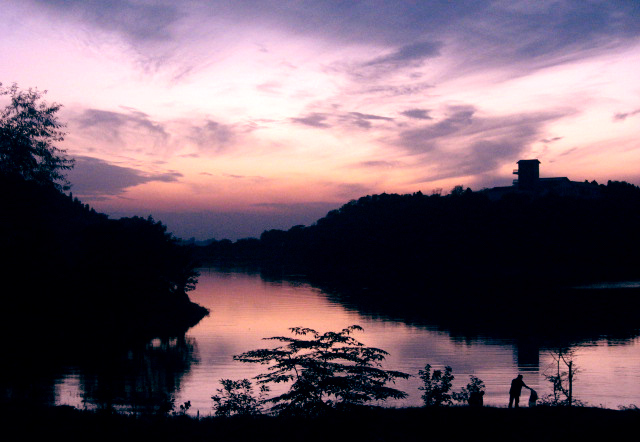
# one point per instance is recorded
(552, 316)
(375, 424)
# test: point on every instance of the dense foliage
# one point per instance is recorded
(238, 398)
(436, 386)
(67, 268)
(329, 370)
(29, 132)
(463, 238)
(70, 268)
(472, 393)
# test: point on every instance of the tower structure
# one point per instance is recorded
(528, 174)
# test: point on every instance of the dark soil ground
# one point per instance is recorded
(409, 424)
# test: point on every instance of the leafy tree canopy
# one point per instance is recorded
(29, 130)
(327, 371)
(436, 386)
(237, 398)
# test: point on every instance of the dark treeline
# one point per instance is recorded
(466, 263)
(70, 273)
(74, 274)
(77, 288)
(462, 238)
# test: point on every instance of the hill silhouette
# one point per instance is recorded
(467, 263)
(462, 239)
(74, 274)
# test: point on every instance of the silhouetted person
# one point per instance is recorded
(476, 399)
(515, 390)
(533, 397)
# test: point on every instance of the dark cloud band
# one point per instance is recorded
(93, 178)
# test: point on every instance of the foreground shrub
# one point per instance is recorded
(326, 371)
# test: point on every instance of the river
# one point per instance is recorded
(245, 308)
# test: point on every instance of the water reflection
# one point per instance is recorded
(245, 308)
(555, 318)
(143, 379)
(26, 382)
(528, 353)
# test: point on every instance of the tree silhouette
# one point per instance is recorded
(436, 386)
(562, 380)
(237, 398)
(29, 129)
(330, 370)
(472, 394)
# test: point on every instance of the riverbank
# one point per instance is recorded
(378, 424)
(74, 275)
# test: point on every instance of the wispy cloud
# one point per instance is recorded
(112, 126)
(250, 178)
(133, 130)
(419, 114)
(378, 164)
(624, 115)
(212, 136)
(500, 32)
(326, 120)
(465, 144)
(95, 179)
(378, 92)
(420, 139)
(409, 54)
(137, 21)
(363, 121)
(298, 207)
(384, 89)
(313, 119)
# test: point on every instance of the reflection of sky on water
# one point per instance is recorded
(245, 309)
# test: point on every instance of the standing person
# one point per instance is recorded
(515, 390)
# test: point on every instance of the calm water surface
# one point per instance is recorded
(245, 309)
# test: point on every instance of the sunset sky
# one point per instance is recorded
(226, 118)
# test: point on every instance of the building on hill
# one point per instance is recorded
(530, 183)
(528, 172)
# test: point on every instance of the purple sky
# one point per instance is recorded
(224, 119)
